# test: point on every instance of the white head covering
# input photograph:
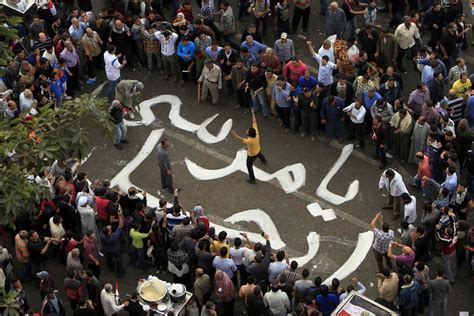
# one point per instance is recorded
(82, 201)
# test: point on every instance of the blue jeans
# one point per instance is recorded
(443, 306)
(137, 258)
(110, 93)
(262, 100)
(426, 190)
(120, 132)
(380, 153)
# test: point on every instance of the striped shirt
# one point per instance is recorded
(456, 107)
(173, 220)
(42, 45)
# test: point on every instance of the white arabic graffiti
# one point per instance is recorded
(201, 130)
(290, 178)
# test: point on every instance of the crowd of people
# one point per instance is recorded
(354, 94)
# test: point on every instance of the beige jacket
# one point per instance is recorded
(92, 45)
(388, 288)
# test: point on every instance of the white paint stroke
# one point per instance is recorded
(122, 181)
(84, 160)
(177, 120)
(291, 177)
(264, 222)
(364, 243)
(316, 210)
(313, 247)
(322, 190)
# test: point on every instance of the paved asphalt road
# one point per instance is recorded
(229, 195)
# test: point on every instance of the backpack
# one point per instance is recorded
(74, 294)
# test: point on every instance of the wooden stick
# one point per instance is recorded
(199, 91)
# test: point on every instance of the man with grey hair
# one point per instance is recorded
(211, 80)
(126, 92)
(71, 60)
(92, 44)
(116, 113)
(406, 35)
(335, 20)
(27, 101)
(77, 29)
(107, 299)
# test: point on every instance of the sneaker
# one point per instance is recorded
(124, 141)
(118, 146)
(389, 155)
(399, 230)
(91, 81)
(237, 106)
(313, 138)
(67, 97)
(302, 134)
(287, 130)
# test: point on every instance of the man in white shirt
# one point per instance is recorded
(107, 299)
(238, 253)
(168, 52)
(27, 101)
(112, 70)
(405, 35)
(392, 181)
(325, 67)
(327, 50)
(410, 208)
(356, 113)
(210, 80)
(277, 301)
(277, 267)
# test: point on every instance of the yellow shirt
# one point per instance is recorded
(253, 143)
(461, 88)
(217, 245)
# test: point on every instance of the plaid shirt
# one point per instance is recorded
(291, 276)
(180, 231)
(207, 9)
(178, 258)
(455, 73)
(382, 240)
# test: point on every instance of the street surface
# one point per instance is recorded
(230, 195)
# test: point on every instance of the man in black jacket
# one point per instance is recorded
(259, 268)
(116, 112)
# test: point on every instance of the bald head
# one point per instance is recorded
(199, 272)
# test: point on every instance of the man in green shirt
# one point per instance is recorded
(137, 257)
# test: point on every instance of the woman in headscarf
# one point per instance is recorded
(87, 215)
(199, 219)
(179, 20)
(224, 290)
